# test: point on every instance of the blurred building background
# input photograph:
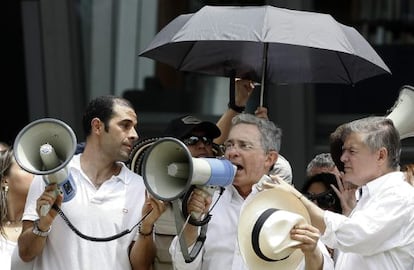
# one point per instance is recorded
(61, 53)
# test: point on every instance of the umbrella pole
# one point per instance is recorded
(232, 98)
(264, 64)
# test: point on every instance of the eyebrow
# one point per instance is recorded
(239, 141)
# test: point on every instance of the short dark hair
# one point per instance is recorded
(102, 108)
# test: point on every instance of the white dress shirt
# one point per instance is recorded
(220, 250)
(379, 233)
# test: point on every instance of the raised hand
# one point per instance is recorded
(243, 89)
(346, 194)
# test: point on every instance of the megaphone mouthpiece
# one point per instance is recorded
(179, 170)
(49, 157)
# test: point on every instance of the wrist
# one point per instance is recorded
(144, 231)
(40, 231)
(236, 108)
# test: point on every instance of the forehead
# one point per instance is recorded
(318, 170)
(354, 140)
(317, 187)
(122, 112)
(244, 132)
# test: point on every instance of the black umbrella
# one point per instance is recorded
(266, 44)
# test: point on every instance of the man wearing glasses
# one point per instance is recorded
(252, 146)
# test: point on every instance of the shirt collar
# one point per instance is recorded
(122, 176)
(371, 187)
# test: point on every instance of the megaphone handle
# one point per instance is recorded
(208, 191)
(44, 209)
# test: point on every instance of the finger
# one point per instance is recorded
(339, 182)
(337, 192)
(159, 206)
(251, 85)
(306, 227)
(276, 179)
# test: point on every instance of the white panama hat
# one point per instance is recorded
(264, 230)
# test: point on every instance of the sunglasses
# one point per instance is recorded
(324, 200)
(193, 140)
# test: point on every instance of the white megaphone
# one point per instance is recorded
(45, 147)
(169, 170)
(403, 111)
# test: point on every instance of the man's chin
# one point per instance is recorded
(124, 156)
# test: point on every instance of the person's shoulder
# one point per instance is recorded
(129, 175)
(75, 161)
(395, 186)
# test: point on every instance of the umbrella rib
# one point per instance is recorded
(185, 55)
(346, 70)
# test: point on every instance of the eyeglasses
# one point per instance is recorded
(243, 146)
(324, 200)
(193, 140)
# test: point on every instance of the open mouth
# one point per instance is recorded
(239, 167)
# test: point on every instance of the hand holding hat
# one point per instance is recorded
(266, 223)
(308, 236)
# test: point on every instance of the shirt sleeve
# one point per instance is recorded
(328, 263)
(380, 225)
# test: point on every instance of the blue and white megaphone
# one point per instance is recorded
(169, 170)
(45, 147)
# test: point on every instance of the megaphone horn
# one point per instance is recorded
(169, 170)
(402, 112)
(45, 147)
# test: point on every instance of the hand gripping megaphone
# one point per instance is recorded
(45, 147)
(402, 112)
(169, 170)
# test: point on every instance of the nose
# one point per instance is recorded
(201, 144)
(133, 134)
(231, 152)
(343, 156)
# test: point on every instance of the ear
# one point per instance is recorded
(96, 124)
(382, 156)
(4, 181)
(271, 158)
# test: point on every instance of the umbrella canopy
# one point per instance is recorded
(266, 44)
(281, 45)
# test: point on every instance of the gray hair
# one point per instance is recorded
(377, 132)
(271, 135)
(323, 160)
